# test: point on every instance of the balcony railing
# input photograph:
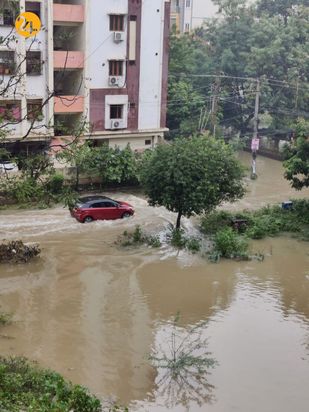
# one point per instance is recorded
(69, 104)
(69, 13)
(68, 60)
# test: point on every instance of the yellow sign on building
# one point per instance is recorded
(28, 24)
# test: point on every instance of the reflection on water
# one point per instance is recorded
(183, 363)
(94, 312)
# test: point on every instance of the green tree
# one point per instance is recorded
(297, 157)
(266, 41)
(115, 165)
(192, 176)
(80, 155)
(34, 166)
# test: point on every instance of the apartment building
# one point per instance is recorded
(186, 15)
(96, 66)
(181, 15)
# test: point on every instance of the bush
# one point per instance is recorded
(268, 221)
(229, 244)
(55, 183)
(177, 238)
(24, 386)
(215, 221)
(193, 245)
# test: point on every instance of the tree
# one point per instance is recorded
(223, 59)
(192, 176)
(79, 155)
(297, 157)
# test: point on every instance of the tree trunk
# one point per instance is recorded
(178, 220)
(77, 178)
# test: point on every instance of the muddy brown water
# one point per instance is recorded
(94, 312)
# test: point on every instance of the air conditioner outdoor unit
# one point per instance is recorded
(118, 36)
(116, 124)
(114, 80)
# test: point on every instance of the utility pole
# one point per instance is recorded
(214, 105)
(255, 142)
(297, 94)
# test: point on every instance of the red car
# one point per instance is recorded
(91, 208)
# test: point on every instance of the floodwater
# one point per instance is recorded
(95, 312)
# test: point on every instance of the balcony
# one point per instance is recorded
(72, 60)
(69, 104)
(68, 14)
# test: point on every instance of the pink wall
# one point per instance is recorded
(68, 60)
(69, 13)
(69, 104)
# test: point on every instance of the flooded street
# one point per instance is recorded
(95, 312)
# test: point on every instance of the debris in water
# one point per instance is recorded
(18, 252)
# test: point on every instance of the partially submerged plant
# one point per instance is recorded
(5, 318)
(138, 237)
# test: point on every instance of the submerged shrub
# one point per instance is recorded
(229, 244)
(177, 238)
(5, 318)
(137, 237)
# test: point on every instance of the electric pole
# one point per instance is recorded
(254, 144)
(214, 105)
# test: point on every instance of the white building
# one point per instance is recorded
(101, 63)
(186, 15)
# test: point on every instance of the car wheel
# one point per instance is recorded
(126, 214)
(88, 219)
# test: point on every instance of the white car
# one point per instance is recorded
(7, 166)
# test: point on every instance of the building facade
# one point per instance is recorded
(96, 68)
(186, 15)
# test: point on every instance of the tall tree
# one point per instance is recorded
(297, 157)
(192, 176)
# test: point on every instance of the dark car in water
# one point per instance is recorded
(91, 208)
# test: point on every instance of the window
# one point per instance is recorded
(188, 3)
(132, 39)
(34, 7)
(108, 203)
(7, 64)
(116, 22)
(10, 110)
(34, 110)
(116, 67)
(8, 13)
(96, 205)
(33, 61)
(187, 27)
(103, 204)
(147, 142)
(116, 111)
